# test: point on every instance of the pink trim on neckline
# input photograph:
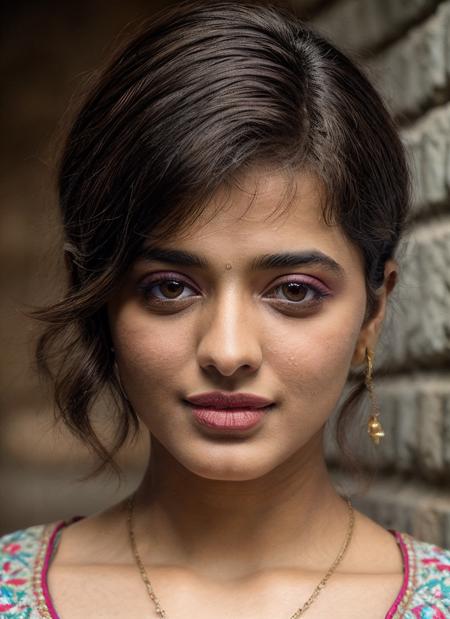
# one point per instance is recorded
(51, 543)
(48, 555)
(406, 571)
(44, 585)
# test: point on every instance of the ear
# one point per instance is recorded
(370, 332)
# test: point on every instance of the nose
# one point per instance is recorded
(229, 335)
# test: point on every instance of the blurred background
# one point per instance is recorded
(48, 50)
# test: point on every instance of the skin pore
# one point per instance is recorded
(239, 510)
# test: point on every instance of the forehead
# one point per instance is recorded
(263, 210)
(257, 202)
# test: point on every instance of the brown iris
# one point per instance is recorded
(299, 291)
(172, 287)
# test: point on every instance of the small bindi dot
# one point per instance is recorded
(228, 266)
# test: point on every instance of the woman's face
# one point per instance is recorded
(287, 333)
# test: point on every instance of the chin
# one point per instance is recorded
(229, 468)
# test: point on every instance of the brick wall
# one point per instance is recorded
(406, 49)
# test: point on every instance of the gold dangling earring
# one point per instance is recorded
(374, 427)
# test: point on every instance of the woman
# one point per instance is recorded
(233, 192)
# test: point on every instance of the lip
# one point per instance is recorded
(230, 420)
(220, 400)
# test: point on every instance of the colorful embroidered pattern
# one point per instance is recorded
(26, 554)
(432, 591)
(427, 592)
(17, 556)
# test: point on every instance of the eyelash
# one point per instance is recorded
(320, 292)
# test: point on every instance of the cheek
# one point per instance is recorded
(149, 354)
(313, 362)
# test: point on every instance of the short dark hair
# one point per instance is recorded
(204, 91)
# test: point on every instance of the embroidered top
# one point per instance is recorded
(25, 556)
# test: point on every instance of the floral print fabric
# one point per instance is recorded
(25, 556)
(17, 556)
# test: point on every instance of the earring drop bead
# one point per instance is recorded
(374, 427)
(375, 430)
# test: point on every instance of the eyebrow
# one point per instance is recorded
(179, 257)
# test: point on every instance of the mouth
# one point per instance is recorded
(226, 411)
(228, 420)
(229, 400)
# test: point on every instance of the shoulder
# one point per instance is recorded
(19, 554)
(428, 591)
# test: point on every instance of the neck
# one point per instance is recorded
(291, 516)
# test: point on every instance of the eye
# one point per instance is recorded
(170, 285)
(301, 292)
(295, 293)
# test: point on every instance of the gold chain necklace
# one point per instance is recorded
(160, 611)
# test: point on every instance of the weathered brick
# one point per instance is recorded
(447, 46)
(407, 505)
(417, 329)
(361, 25)
(428, 142)
(446, 433)
(430, 425)
(428, 521)
(446, 518)
(421, 406)
(415, 415)
(407, 423)
(412, 74)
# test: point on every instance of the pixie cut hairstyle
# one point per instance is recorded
(204, 91)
